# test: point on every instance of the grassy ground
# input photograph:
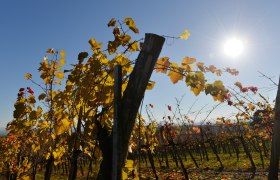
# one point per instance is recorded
(233, 169)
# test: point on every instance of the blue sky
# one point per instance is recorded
(29, 27)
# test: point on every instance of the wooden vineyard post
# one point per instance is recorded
(117, 170)
(130, 103)
(275, 147)
(137, 84)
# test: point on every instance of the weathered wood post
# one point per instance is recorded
(130, 103)
(136, 87)
(275, 147)
(117, 170)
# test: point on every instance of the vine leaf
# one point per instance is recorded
(59, 75)
(185, 35)
(112, 22)
(94, 44)
(131, 25)
(188, 60)
(176, 73)
(62, 126)
(150, 85)
(162, 64)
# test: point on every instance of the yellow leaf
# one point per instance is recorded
(59, 75)
(238, 84)
(133, 47)
(175, 73)
(219, 98)
(94, 44)
(35, 148)
(196, 90)
(112, 47)
(129, 164)
(251, 107)
(28, 76)
(123, 39)
(188, 67)
(112, 22)
(31, 100)
(48, 155)
(130, 23)
(124, 175)
(25, 161)
(150, 85)
(188, 60)
(62, 61)
(116, 31)
(212, 68)
(162, 64)
(39, 111)
(44, 124)
(185, 35)
(121, 59)
(62, 126)
(25, 177)
(200, 66)
(50, 51)
(57, 82)
(62, 54)
(218, 72)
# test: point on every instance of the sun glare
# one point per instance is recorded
(233, 47)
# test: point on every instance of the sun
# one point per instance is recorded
(234, 47)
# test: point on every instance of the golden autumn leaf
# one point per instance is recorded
(133, 47)
(59, 75)
(62, 61)
(62, 126)
(131, 25)
(116, 31)
(57, 82)
(238, 84)
(121, 59)
(112, 22)
(50, 50)
(150, 85)
(62, 54)
(94, 44)
(112, 47)
(31, 100)
(188, 67)
(251, 107)
(175, 73)
(28, 76)
(185, 35)
(25, 177)
(162, 64)
(218, 72)
(212, 68)
(196, 90)
(200, 66)
(188, 60)
(123, 39)
(219, 98)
